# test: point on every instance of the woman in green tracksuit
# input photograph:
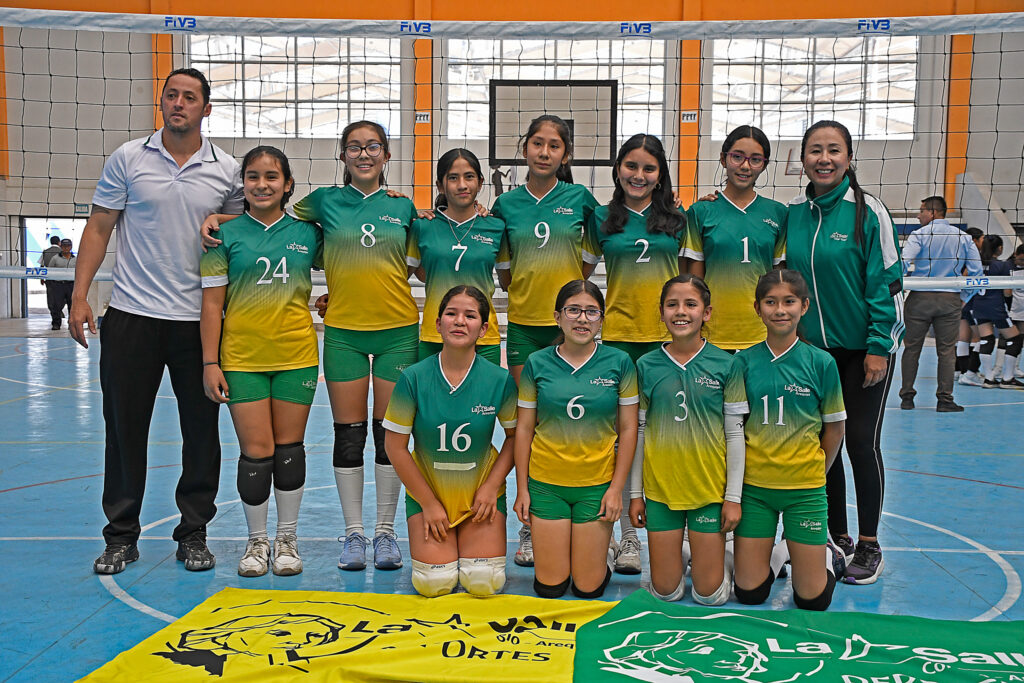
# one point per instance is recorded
(843, 242)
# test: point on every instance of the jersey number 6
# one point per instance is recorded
(574, 409)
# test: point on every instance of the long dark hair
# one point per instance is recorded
(483, 306)
(990, 246)
(385, 146)
(682, 279)
(282, 161)
(782, 276)
(858, 193)
(663, 217)
(752, 132)
(564, 171)
(445, 163)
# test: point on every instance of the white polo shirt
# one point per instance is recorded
(156, 273)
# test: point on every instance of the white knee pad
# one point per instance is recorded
(675, 595)
(719, 597)
(432, 580)
(482, 575)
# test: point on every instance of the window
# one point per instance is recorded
(266, 86)
(638, 65)
(783, 85)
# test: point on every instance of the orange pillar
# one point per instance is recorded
(5, 168)
(163, 64)
(423, 50)
(689, 121)
(958, 116)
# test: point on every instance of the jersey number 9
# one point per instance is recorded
(543, 232)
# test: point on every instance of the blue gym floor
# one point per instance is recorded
(952, 531)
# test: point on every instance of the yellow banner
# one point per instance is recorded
(261, 635)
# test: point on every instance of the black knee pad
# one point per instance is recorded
(289, 466)
(349, 442)
(380, 455)
(254, 479)
(988, 344)
(1013, 346)
(546, 591)
(820, 603)
(594, 594)
(756, 596)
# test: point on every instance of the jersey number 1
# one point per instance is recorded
(781, 421)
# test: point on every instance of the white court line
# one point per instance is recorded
(122, 595)
(1013, 583)
(967, 405)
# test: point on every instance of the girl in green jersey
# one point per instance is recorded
(265, 364)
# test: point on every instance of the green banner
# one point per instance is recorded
(645, 639)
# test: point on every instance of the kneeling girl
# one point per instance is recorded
(796, 425)
(569, 477)
(689, 459)
(454, 477)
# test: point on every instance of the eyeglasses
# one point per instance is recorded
(373, 149)
(737, 159)
(574, 312)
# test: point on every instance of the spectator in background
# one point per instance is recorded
(50, 252)
(968, 345)
(58, 292)
(936, 249)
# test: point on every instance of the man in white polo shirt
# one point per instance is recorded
(156, 190)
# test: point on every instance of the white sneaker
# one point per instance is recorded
(524, 555)
(627, 557)
(256, 558)
(971, 379)
(286, 556)
(1018, 373)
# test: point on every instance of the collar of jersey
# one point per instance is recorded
(772, 353)
(156, 142)
(454, 223)
(546, 194)
(359, 193)
(721, 195)
(640, 213)
(830, 199)
(265, 226)
(583, 364)
(664, 348)
(453, 388)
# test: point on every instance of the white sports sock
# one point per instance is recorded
(349, 481)
(828, 561)
(288, 510)
(625, 525)
(686, 556)
(988, 363)
(1008, 364)
(389, 487)
(256, 519)
(780, 555)
(1000, 362)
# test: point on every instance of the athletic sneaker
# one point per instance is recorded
(193, 551)
(838, 560)
(846, 546)
(948, 407)
(286, 556)
(627, 555)
(990, 383)
(115, 557)
(1011, 384)
(524, 556)
(256, 558)
(1019, 373)
(353, 552)
(971, 379)
(867, 564)
(386, 554)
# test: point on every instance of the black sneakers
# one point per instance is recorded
(193, 551)
(115, 557)
(867, 564)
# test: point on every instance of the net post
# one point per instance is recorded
(958, 111)
(689, 131)
(163, 65)
(423, 51)
(5, 168)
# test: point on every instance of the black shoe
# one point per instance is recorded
(54, 326)
(907, 404)
(115, 557)
(194, 552)
(948, 407)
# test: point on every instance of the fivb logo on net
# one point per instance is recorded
(635, 28)
(180, 24)
(420, 27)
(874, 25)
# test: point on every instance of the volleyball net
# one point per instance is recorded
(934, 104)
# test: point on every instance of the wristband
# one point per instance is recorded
(212, 362)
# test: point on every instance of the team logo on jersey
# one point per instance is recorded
(481, 409)
(708, 382)
(839, 237)
(602, 382)
(390, 219)
(309, 383)
(704, 519)
(798, 390)
(483, 239)
(564, 211)
(770, 222)
(811, 524)
(301, 248)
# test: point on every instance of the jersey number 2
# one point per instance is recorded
(280, 272)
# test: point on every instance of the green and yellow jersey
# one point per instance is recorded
(737, 247)
(365, 238)
(638, 263)
(684, 440)
(452, 426)
(267, 325)
(574, 441)
(790, 396)
(543, 246)
(455, 254)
